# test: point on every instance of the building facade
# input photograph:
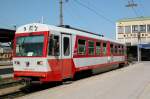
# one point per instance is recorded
(133, 30)
(6, 45)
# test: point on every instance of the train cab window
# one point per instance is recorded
(81, 47)
(104, 48)
(91, 48)
(66, 44)
(53, 45)
(98, 47)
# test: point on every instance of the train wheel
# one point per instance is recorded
(121, 65)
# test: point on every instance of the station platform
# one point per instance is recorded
(6, 72)
(131, 82)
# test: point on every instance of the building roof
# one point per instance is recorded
(6, 35)
(134, 19)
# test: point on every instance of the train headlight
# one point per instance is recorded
(40, 62)
(17, 62)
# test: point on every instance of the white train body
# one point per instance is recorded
(48, 53)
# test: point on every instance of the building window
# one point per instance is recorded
(127, 29)
(98, 47)
(143, 28)
(91, 47)
(81, 47)
(120, 29)
(148, 28)
(134, 28)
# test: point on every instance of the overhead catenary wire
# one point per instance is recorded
(92, 4)
(94, 11)
(74, 14)
(141, 8)
(135, 12)
(131, 5)
(134, 8)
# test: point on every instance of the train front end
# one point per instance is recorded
(29, 58)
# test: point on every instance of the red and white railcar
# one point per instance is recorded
(48, 53)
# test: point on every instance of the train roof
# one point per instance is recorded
(35, 27)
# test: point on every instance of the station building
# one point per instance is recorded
(134, 32)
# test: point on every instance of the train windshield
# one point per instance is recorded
(30, 45)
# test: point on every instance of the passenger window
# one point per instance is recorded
(122, 50)
(66, 45)
(53, 45)
(104, 48)
(81, 47)
(119, 48)
(125, 50)
(112, 48)
(116, 49)
(91, 48)
(98, 47)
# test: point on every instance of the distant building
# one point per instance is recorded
(130, 29)
(6, 40)
(6, 35)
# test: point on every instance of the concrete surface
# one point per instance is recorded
(132, 82)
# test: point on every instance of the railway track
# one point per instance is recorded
(11, 91)
(9, 86)
(15, 89)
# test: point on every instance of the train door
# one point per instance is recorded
(66, 55)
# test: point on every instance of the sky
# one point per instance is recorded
(98, 16)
